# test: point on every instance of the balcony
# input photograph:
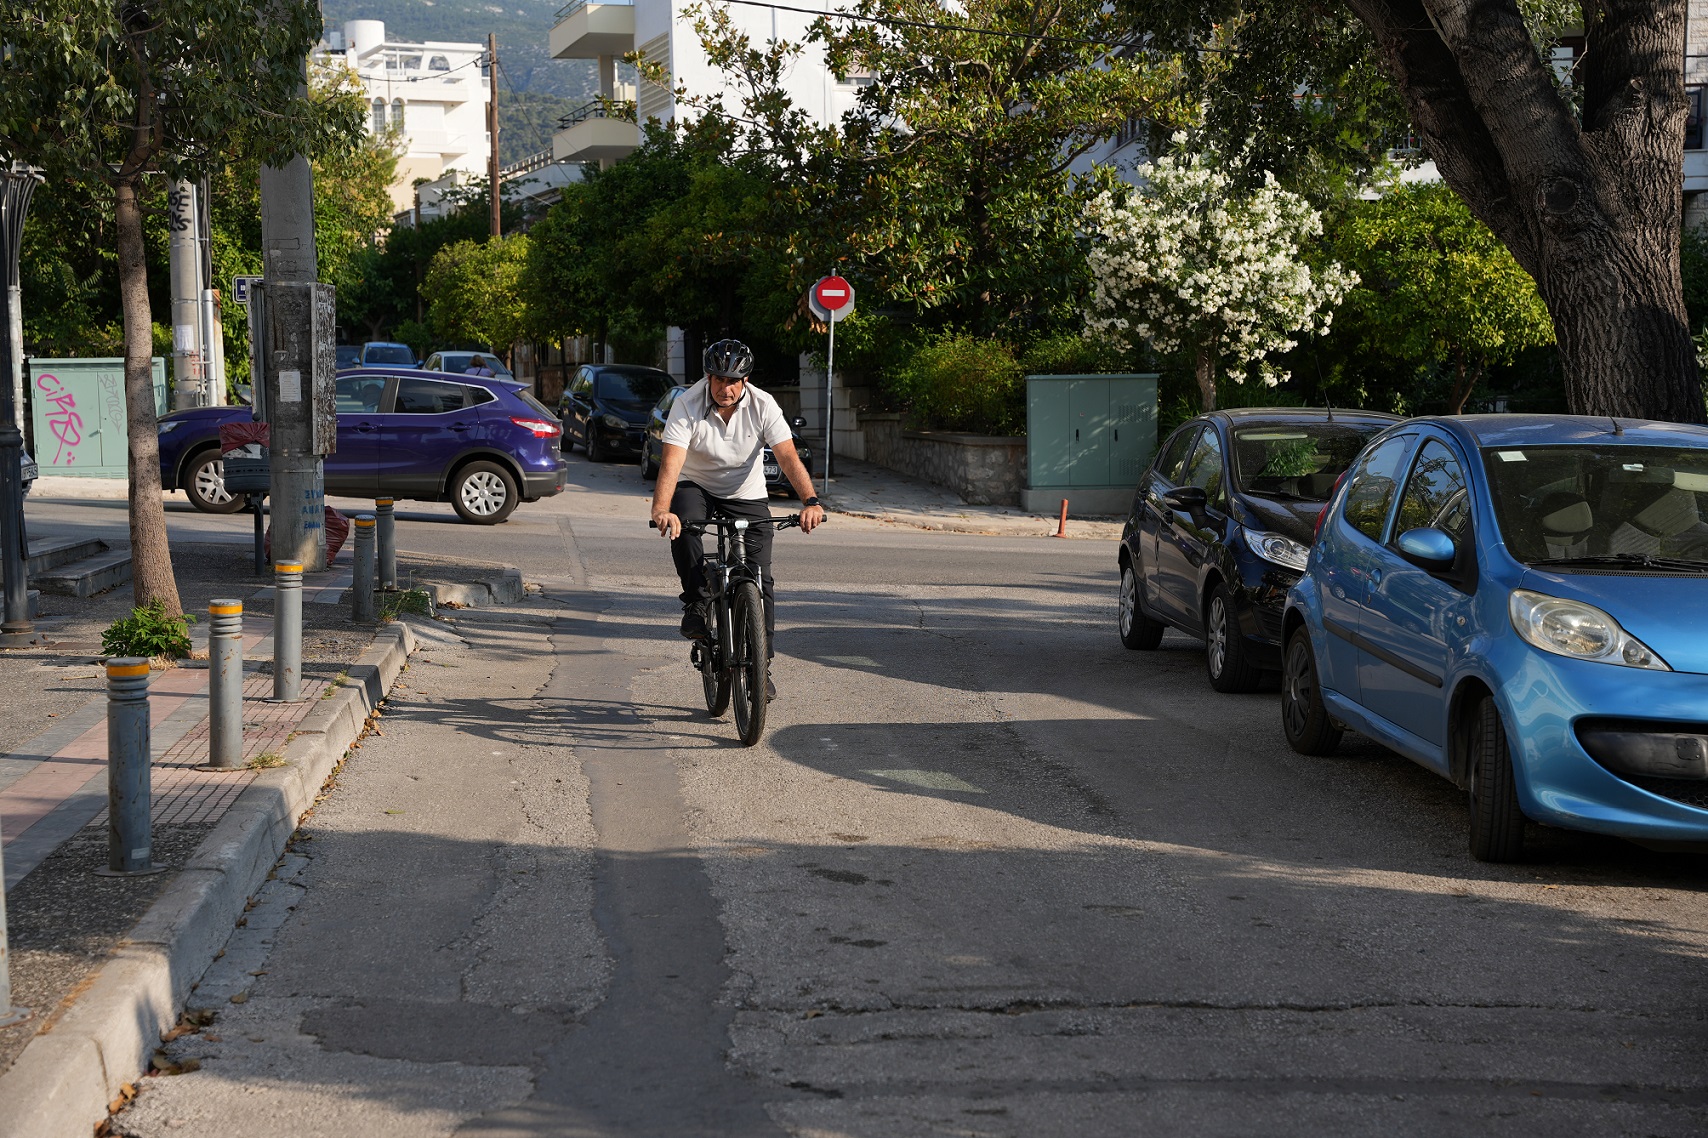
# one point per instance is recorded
(588, 30)
(588, 134)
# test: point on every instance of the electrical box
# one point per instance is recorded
(299, 400)
(1088, 437)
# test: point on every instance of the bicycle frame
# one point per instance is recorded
(722, 574)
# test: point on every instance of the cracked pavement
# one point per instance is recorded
(987, 874)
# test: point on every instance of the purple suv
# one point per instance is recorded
(483, 444)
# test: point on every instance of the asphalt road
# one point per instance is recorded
(988, 874)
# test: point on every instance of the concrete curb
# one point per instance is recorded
(1024, 525)
(504, 589)
(66, 1077)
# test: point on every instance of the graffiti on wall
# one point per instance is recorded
(64, 421)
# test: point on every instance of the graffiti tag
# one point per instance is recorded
(63, 421)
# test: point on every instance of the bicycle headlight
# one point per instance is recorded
(1282, 551)
(1580, 631)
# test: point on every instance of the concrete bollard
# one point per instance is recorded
(362, 576)
(225, 685)
(386, 532)
(287, 631)
(130, 799)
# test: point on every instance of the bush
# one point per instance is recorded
(964, 383)
(1070, 354)
(148, 632)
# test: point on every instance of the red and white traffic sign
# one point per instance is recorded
(832, 298)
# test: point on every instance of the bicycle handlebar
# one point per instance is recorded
(730, 523)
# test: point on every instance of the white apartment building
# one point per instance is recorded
(433, 94)
(604, 30)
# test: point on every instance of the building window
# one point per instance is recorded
(379, 116)
(397, 114)
(1693, 120)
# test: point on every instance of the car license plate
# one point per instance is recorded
(773, 471)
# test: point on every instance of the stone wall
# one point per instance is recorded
(983, 470)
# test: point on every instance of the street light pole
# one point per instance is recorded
(17, 184)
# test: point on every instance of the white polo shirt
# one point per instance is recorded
(723, 458)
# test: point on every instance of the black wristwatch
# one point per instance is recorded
(812, 501)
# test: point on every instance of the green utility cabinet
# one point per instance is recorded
(77, 415)
(1087, 439)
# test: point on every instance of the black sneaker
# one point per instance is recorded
(694, 623)
(770, 690)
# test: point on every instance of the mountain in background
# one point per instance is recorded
(534, 90)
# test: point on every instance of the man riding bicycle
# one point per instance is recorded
(714, 439)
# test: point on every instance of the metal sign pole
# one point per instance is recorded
(829, 402)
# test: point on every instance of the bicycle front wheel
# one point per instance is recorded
(750, 668)
(714, 673)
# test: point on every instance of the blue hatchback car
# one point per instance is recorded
(484, 444)
(1518, 603)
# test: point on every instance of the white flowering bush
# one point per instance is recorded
(1190, 265)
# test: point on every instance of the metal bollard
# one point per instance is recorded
(362, 579)
(386, 531)
(225, 685)
(287, 631)
(130, 827)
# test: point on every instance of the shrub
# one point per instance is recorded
(149, 631)
(964, 383)
(1072, 355)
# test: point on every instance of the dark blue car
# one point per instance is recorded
(1220, 527)
(483, 444)
(1518, 603)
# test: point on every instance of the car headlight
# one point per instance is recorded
(1283, 551)
(1583, 632)
(169, 425)
(615, 422)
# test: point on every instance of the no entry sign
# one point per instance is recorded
(832, 299)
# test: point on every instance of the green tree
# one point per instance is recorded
(98, 91)
(1436, 287)
(474, 295)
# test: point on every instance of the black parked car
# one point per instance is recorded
(1221, 525)
(652, 446)
(604, 407)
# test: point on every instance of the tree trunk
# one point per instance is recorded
(151, 560)
(1590, 207)
(1206, 372)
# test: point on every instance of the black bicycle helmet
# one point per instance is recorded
(731, 359)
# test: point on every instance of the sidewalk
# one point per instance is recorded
(869, 491)
(104, 963)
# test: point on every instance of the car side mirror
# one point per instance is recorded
(797, 422)
(1190, 499)
(1430, 549)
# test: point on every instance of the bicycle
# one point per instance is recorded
(732, 659)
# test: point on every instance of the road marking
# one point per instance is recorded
(931, 780)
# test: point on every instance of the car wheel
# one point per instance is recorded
(568, 439)
(1138, 631)
(1225, 654)
(484, 493)
(1497, 824)
(204, 485)
(596, 451)
(1304, 717)
(649, 472)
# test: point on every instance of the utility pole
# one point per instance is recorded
(492, 128)
(189, 359)
(213, 327)
(289, 333)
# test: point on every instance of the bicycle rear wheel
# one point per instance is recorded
(714, 674)
(750, 668)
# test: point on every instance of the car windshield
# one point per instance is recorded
(642, 386)
(1601, 505)
(1297, 460)
(348, 355)
(388, 354)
